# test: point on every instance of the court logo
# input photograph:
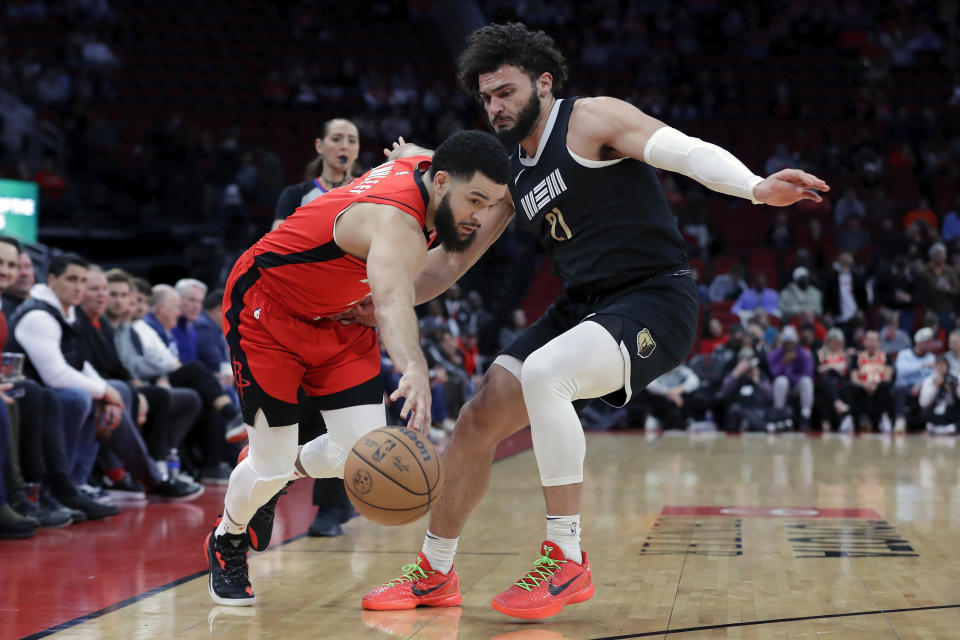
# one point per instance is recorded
(362, 482)
(645, 344)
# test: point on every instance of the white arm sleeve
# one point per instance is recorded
(39, 334)
(708, 164)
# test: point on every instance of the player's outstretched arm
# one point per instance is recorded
(618, 125)
(442, 268)
(397, 251)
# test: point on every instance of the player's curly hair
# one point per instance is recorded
(495, 45)
(466, 152)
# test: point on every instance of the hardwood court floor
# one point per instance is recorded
(778, 537)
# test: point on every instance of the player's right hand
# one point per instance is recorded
(414, 387)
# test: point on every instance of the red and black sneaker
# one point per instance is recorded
(229, 582)
(553, 583)
(419, 585)
(260, 527)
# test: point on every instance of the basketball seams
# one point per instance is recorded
(383, 473)
(426, 478)
(378, 507)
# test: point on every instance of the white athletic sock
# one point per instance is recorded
(440, 551)
(229, 526)
(565, 532)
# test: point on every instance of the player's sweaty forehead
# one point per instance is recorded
(482, 187)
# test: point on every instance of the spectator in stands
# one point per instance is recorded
(830, 387)
(808, 336)
(845, 292)
(780, 234)
(848, 206)
(703, 291)
(852, 236)
(951, 223)
(38, 429)
(938, 399)
(871, 393)
(791, 367)
(671, 397)
(19, 290)
(12, 524)
(800, 295)
(940, 285)
(921, 213)
(518, 322)
(746, 394)
(912, 366)
(728, 286)
(759, 295)
(475, 319)
(159, 346)
(472, 360)
(191, 293)
(124, 448)
(953, 352)
(893, 339)
(715, 337)
(172, 412)
(932, 320)
(441, 351)
(894, 290)
(43, 329)
(212, 349)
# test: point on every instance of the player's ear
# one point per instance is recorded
(544, 84)
(441, 182)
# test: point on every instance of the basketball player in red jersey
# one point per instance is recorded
(368, 237)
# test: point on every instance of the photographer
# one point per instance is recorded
(747, 394)
(938, 399)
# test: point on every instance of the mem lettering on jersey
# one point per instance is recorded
(545, 191)
(376, 175)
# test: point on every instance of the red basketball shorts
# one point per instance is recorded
(274, 353)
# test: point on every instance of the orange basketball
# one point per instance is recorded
(393, 475)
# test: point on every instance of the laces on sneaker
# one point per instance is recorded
(411, 573)
(234, 562)
(543, 569)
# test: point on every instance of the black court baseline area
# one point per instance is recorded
(753, 623)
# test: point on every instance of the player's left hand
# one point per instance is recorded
(788, 186)
(396, 145)
(361, 313)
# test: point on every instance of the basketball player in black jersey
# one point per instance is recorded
(583, 182)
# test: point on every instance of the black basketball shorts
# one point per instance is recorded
(655, 323)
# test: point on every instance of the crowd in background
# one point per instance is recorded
(850, 324)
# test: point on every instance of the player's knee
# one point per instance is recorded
(541, 375)
(275, 458)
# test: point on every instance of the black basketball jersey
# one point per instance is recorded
(600, 221)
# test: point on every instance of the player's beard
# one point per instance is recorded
(447, 228)
(526, 120)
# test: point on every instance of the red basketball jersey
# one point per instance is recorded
(870, 368)
(301, 265)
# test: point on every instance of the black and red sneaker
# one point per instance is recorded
(229, 582)
(260, 527)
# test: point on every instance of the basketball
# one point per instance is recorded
(393, 475)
